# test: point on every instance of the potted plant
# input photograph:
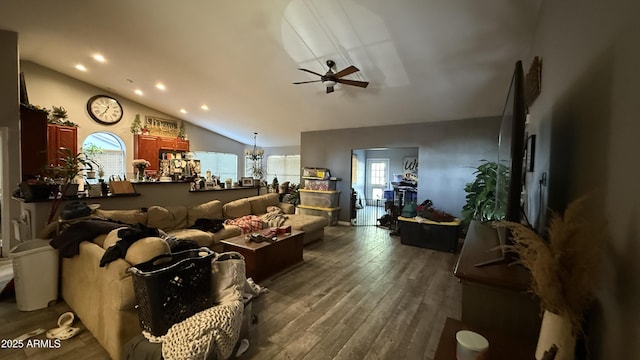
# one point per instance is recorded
(91, 150)
(256, 170)
(69, 166)
(292, 195)
(59, 116)
(564, 270)
(140, 165)
(182, 133)
(482, 194)
(136, 125)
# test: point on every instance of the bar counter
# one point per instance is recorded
(147, 194)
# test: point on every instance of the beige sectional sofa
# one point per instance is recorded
(103, 297)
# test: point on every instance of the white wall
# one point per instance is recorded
(587, 123)
(47, 88)
(10, 131)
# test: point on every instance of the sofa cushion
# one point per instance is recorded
(167, 218)
(203, 238)
(209, 210)
(259, 203)
(130, 217)
(237, 208)
(306, 223)
(146, 249)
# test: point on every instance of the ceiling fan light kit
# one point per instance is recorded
(330, 79)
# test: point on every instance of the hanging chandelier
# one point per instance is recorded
(256, 153)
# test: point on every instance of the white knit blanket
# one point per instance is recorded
(209, 334)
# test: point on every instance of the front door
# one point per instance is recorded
(377, 179)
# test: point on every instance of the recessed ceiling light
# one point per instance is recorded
(138, 91)
(183, 111)
(99, 58)
(204, 107)
(161, 86)
(81, 67)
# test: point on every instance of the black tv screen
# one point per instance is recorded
(511, 149)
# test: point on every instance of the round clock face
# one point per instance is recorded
(104, 109)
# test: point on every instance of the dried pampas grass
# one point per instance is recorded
(564, 269)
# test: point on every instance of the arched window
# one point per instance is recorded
(107, 150)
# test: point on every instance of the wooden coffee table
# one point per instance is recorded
(265, 258)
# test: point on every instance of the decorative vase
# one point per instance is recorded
(556, 330)
(104, 187)
(140, 174)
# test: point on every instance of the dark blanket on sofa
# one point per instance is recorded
(127, 237)
(68, 241)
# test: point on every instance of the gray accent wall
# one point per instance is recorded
(586, 119)
(447, 153)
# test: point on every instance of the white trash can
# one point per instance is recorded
(35, 274)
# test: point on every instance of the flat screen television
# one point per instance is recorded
(510, 158)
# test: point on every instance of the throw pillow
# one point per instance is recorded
(146, 249)
(167, 218)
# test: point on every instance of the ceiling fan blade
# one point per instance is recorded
(329, 89)
(306, 82)
(362, 84)
(346, 71)
(309, 71)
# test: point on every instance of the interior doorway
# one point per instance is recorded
(374, 172)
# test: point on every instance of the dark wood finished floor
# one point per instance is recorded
(359, 294)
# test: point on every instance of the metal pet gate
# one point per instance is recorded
(368, 211)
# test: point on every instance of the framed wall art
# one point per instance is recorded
(530, 153)
(246, 181)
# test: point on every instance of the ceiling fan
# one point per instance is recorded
(330, 79)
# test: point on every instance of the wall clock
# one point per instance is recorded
(104, 109)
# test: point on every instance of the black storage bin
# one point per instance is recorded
(170, 288)
(427, 235)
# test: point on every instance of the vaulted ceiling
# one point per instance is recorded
(425, 60)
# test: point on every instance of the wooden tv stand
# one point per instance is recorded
(495, 297)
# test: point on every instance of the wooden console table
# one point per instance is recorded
(495, 297)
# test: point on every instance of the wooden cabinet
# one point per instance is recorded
(165, 143)
(40, 141)
(148, 147)
(182, 145)
(33, 142)
(173, 144)
(60, 136)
